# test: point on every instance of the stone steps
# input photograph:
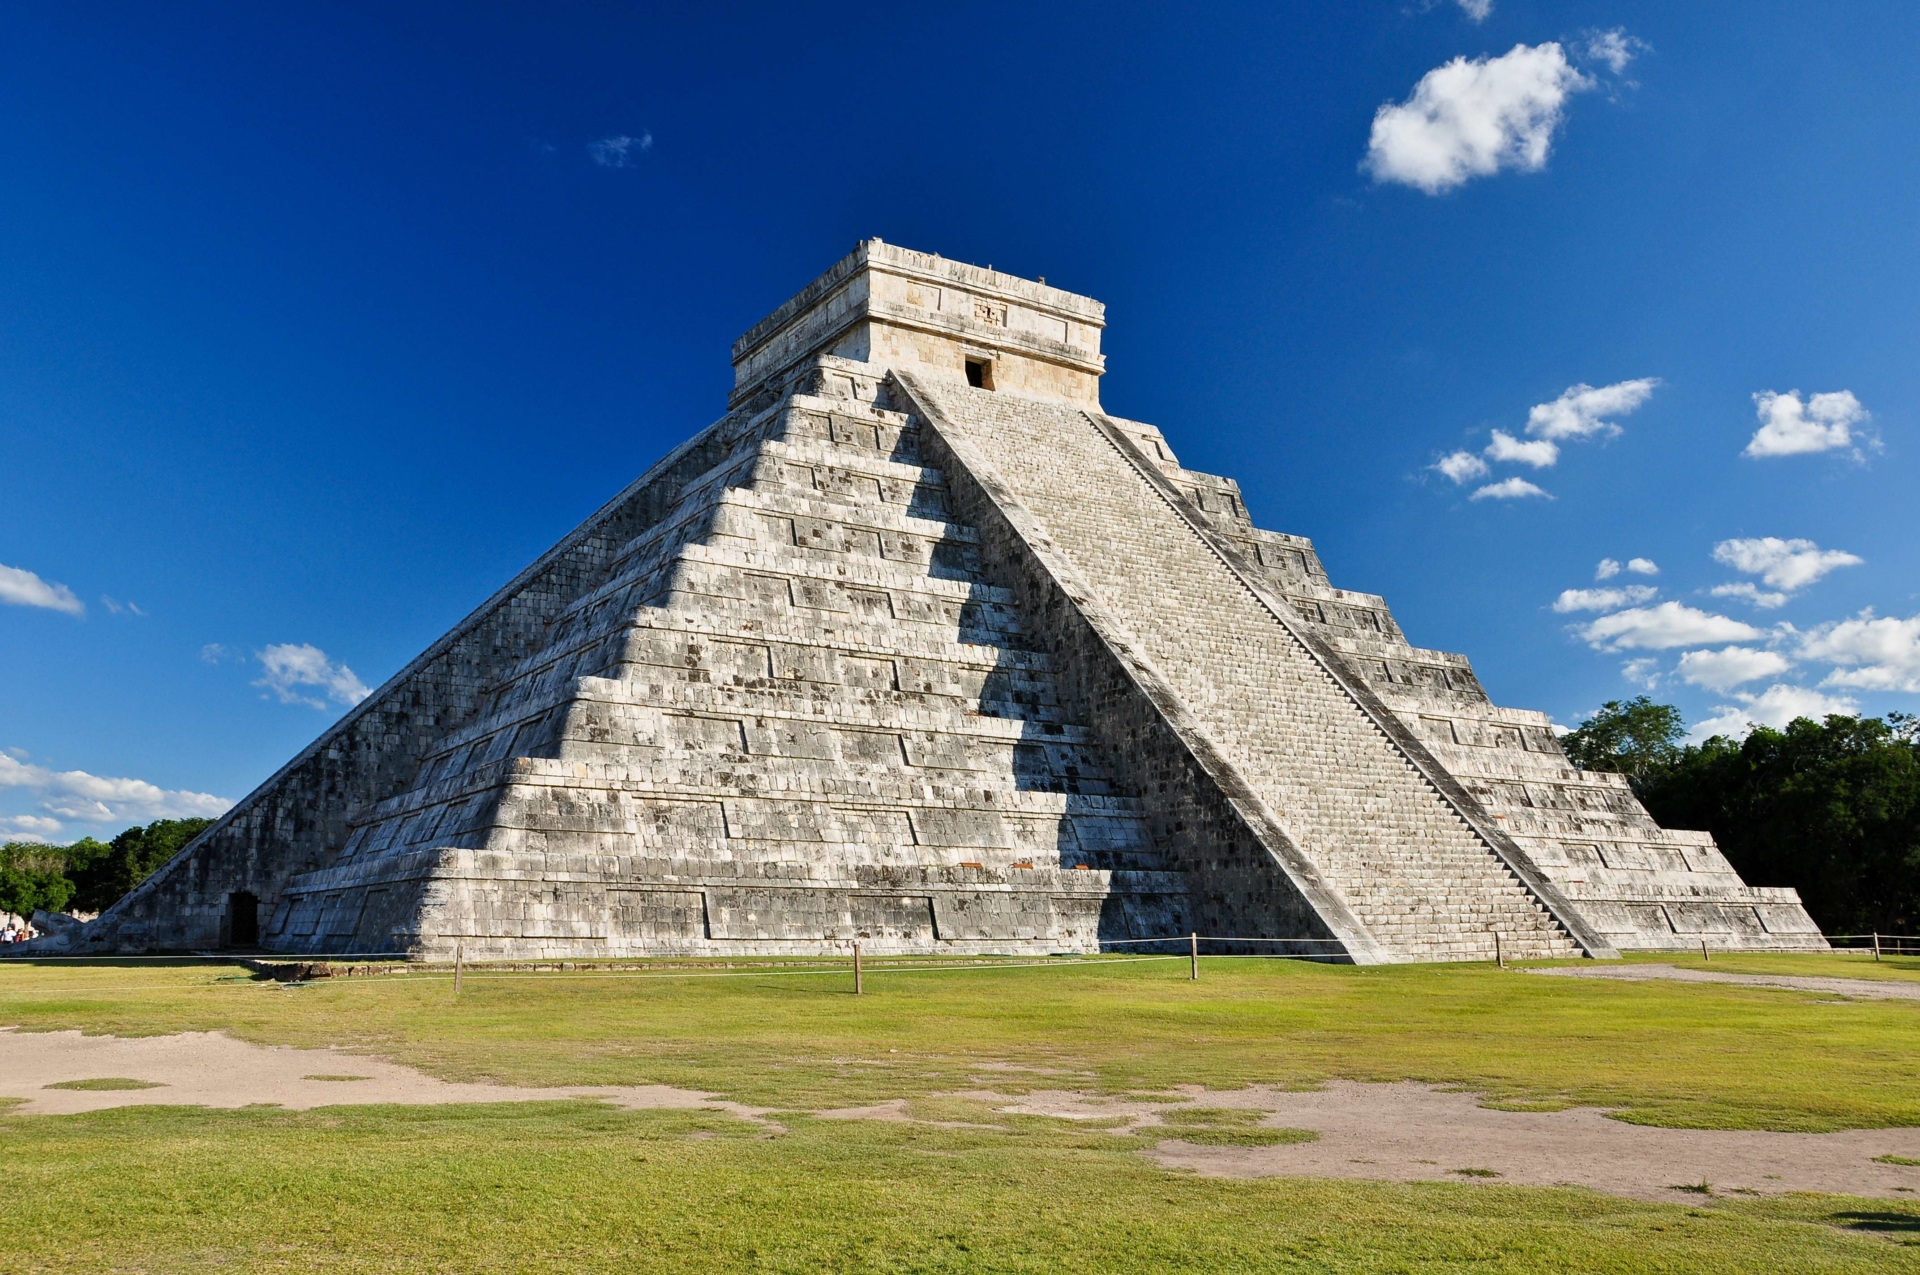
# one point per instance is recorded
(1376, 830)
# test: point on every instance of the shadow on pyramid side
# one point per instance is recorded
(918, 647)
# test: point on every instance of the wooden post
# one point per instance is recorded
(1499, 956)
(1703, 951)
(1193, 940)
(459, 962)
(859, 983)
(1876, 945)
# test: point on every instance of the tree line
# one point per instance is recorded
(89, 875)
(1831, 808)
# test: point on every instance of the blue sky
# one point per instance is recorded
(319, 322)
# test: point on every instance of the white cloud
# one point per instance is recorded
(1461, 466)
(1730, 666)
(1775, 707)
(1607, 570)
(1789, 427)
(25, 589)
(289, 667)
(1751, 592)
(1644, 673)
(1580, 410)
(28, 826)
(1471, 118)
(1786, 565)
(75, 794)
(1643, 566)
(115, 607)
(1874, 654)
(620, 151)
(1668, 625)
(1616, 48)
(1508, 489)
(1540, 453)
(1476, 10)
(1603, 599)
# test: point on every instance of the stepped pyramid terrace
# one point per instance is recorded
(919, 646)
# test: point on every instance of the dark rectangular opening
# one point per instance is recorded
(980, 374)
(243, 920)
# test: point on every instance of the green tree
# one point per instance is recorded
(101, 878)
(1636, 739)
(1831, 808)
(33, 875)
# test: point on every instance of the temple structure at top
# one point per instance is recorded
(919, 645)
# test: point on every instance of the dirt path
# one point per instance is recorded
(1866, 989)
(1397, 1132)
(1410, 1132)
(212, 1069)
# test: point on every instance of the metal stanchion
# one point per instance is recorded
(459, 964)
(1193, 939)
(859, 983)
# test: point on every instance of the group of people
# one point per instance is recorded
(15, 932)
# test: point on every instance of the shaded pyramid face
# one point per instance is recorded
(796, 712)
(919, 647)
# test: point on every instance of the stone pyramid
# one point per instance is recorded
(918, 646)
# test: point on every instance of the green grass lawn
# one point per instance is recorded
(572, 1186)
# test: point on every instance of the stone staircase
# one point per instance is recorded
(1636, 884)
(1423, 884)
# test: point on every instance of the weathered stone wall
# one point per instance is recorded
(299, 818)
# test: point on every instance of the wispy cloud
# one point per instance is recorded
(116, 607)
(1790, 427)
(1748, 591)
(619, 151)
(23, 588)
(1873, 653)
(1461, 466)
(1615, 48)
(1663, 627)
(1581, 410)
(1541, 453)
(87, 798)
(1730, 666)
(1643, 673)
(1473, 117)
(1476, 10)
(290, 668)
(29, 826)
(1775, 707)
(1509, 489)
(1786, 566)
(1603, 599)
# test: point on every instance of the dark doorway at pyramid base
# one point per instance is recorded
(243, 920)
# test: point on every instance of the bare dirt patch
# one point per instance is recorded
(1865, 989)
(1413, 1132)
(1395, 1132)
(212, 1069)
